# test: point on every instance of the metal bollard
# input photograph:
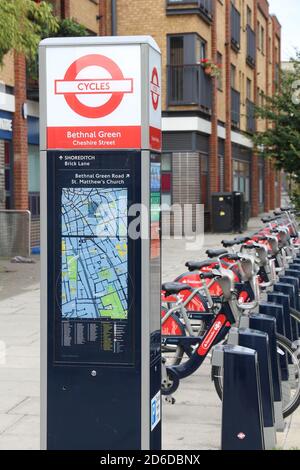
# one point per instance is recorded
(295, 265)
(267, 324)
(289, 290)
(293, 273)
(259, 341)
(284, 300)
(276, 311)
(294, 281)
(242, 429)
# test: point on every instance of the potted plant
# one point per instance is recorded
(210, 68)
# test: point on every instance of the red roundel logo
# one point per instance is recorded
(111, 84)
(155, 88)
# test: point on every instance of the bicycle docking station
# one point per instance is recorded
(241, 429)
(267, 324)
(289, 289)
(100, 132)
(259, 342)
(284, 300)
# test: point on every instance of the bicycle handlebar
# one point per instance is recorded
(209, 275)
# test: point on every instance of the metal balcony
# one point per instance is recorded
(201, 7)
(189, 85)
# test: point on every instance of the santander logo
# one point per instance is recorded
(211, 335)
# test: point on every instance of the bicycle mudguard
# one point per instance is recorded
(198, 303)
(172, 326)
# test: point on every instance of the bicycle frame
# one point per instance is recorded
(216, 332)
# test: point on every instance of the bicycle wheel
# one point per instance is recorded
(290, 387)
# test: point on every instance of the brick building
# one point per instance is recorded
(19, 119)
(207, 121)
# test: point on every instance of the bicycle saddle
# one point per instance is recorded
(216, 253)
(175, 287)
(235, 241)
(196, 265)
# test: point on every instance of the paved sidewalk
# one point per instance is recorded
(192, 423)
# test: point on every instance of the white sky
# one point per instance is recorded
(288, 13)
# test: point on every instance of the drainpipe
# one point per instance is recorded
(114, 18)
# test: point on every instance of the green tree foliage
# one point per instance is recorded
(23, 23)
(281, 141)
(66, 28)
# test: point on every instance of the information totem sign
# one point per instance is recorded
(100, 117)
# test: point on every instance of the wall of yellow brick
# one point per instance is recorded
(85, 12)
(221, 48)
(243, 71)
(151, 19)
(270, 65)
(7, 70)
(262, 66)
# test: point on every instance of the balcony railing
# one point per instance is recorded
(250, 109)
(251, 47)
(235, 28)
(201, 7)
(189, 85)
(235, 107)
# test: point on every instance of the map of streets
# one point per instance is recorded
(94, 253)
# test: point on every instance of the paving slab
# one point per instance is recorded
(192, 423)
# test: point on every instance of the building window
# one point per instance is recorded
(166, 179)
(176, 50)
(233, 76)
(200, 49)
(187, 81)
(249, 16)
(220, 76)
(34, 180)
(262, 39)
(261, 183)
(8, 175)
(258, 35)
(249, 89)
(241, 178)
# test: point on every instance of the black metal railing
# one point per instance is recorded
(235, 107)
(189, 85)
(250, 110)
(251, 47)
(204, 6)
(235, 28)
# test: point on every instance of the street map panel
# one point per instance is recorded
(94, 253)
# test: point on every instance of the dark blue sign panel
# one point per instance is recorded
(92, 294)
(6, 125)
(33, 130)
